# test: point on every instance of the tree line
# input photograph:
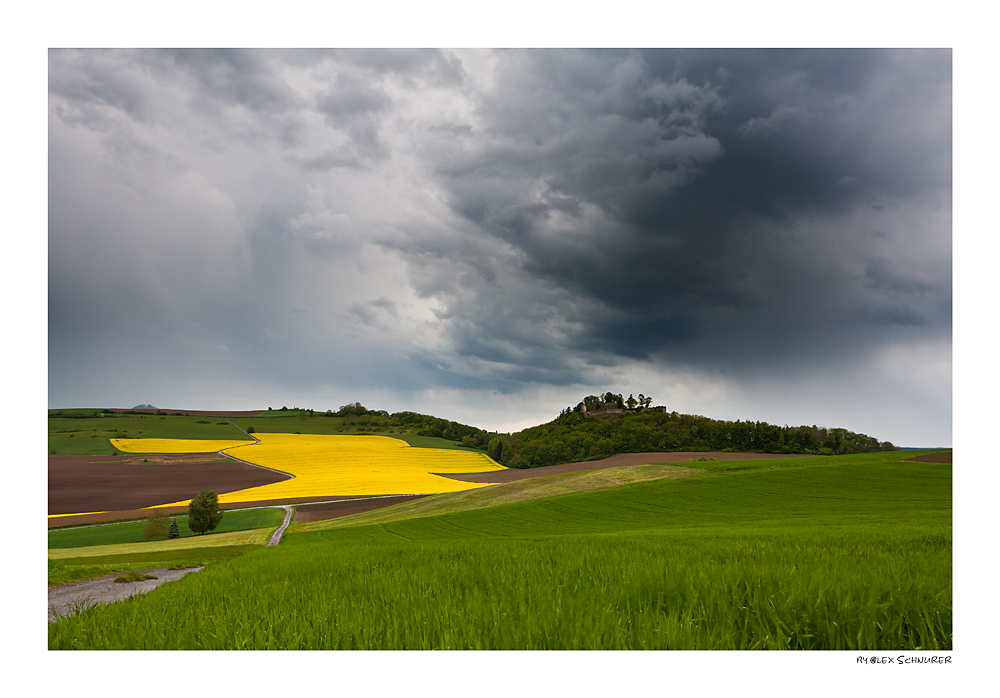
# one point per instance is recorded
(574, 437)
(361, 418)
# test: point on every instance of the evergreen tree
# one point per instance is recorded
(175, 531)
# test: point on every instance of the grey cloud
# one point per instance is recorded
(777, 121)
(92, 81)
(881, 277)
(351, 97)
(904, 317)
(355, 107)
(414, 66)
(373, 312)
(331, 159)
(686, 214)
(234, 76)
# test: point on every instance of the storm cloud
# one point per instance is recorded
(491, 235)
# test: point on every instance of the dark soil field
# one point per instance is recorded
(614, 461)
(120, 483)
(943, 457)
(197, 413)
(333, 510)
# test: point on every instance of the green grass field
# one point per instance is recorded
(87, 431)
(76, 569)
(84, 432)
(568, 483)
(837, 553)
(131, 531)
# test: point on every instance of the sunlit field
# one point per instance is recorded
(336, 465)
(176, 445)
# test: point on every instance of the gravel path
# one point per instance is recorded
(276, 536)
(64, 598)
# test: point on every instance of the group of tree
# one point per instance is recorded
(361, 418)
(610, 401)
(574, 436)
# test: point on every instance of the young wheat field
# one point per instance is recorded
(849, 552)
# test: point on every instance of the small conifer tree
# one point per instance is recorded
(175, 530)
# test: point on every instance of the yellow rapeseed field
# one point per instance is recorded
(175, 445)
(332, 466)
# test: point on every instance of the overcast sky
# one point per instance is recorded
(489, 236)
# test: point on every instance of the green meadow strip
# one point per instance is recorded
(131, 531)
(87, 432)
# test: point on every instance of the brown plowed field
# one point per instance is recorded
(104, 483)
(943, 457)
(614, 461)
(197, 413)
(333, 510)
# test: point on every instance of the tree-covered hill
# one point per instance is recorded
(601, 426)
(576, 436)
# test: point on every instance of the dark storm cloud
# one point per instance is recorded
(689, 195)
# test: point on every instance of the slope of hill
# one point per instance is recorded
(576, 436)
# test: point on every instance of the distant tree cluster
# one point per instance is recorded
(574, 436)
(610, 401)
(362, 419)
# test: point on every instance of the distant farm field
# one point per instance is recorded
(278, 422)
(80, 483)
(835, 553)
(340, 466)
(134, 461)
(85, 432)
